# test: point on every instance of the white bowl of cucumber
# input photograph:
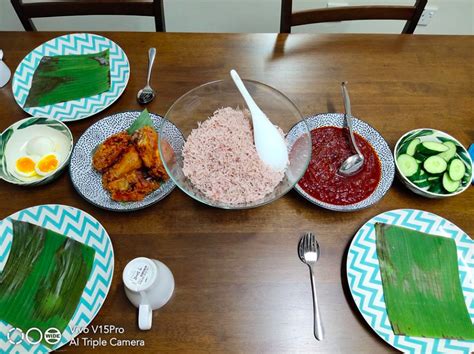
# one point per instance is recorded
(432, 163)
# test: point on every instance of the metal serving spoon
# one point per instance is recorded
(353, 163)
(147, 94)
(308, 250)
(5, 72)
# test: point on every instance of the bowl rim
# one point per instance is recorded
(405, 179)
(232, 207)
(347, 208)
(60, 168)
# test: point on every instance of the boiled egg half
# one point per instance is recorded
(47, 164)
(25, 166)
(40, 145)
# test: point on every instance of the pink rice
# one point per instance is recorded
(220, 159)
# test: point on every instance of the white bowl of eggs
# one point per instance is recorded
(34, 151)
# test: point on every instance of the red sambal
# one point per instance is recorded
(322, 181)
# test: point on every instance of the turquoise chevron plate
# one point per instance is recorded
(82, 227)
(365, 283)
(70, 44)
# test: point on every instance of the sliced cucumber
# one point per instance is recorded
(448, 155)
(421, 179)
(419, 156)
(431, 148)
(436, 186)
(434, 179)
(420, 174)
(422, 183)
(407, 165)
(448, 184)
(411, 148)
(435, 164)
(456, 169)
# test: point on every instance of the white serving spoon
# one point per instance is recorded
(270, 144)
(5, 72)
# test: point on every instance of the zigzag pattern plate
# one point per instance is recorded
(81, 227)
(365, 283)
(70, 44)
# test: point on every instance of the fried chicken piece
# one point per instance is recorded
(129, 161)
(146, 142)
(110, 150)
(132, 187)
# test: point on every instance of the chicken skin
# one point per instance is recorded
(133, 186)
(131, 166)
(146, 142)
(129, 161)
(110, 150)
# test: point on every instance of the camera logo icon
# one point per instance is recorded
(17, 336)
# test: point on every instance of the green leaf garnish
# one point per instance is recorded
(142, 120)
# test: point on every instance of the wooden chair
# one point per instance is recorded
(26, 10)
(411, 14)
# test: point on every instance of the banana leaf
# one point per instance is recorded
(69, 77)
(142, 120)
(421, 284)
(43, 279)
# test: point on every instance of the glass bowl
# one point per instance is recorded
(201, 102)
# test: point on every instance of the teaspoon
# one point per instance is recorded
(147, 94)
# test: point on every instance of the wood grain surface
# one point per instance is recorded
(240, 286)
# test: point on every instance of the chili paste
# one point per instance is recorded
(330, 147)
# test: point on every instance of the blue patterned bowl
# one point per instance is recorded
(88, 182)
(378, 143)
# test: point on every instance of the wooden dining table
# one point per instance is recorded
(240, 286)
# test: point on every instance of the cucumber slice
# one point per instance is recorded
(435, 164)
(434, 179)
(419, 156)
(420, 174)
(411, 148)
(448, 155)
(422, 183)
(421, 179)
(431, 148)
(407, 165)
(436, 186)
(456, 169)
(449, 185)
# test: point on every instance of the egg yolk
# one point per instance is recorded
(25, 165)
(48, 163)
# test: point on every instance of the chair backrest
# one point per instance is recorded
(411, 14)
(26, 10)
